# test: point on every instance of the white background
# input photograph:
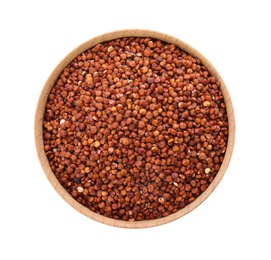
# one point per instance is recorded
(233, 223)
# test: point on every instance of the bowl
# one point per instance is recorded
(39, 117)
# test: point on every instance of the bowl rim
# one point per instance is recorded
(39, 114)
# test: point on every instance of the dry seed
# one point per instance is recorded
(143, 121)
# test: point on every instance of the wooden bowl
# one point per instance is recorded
(39, 128)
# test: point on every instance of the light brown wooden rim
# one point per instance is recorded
(38, 130)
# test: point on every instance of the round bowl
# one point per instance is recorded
(39, 115)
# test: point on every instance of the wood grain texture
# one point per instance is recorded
(38, 128)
